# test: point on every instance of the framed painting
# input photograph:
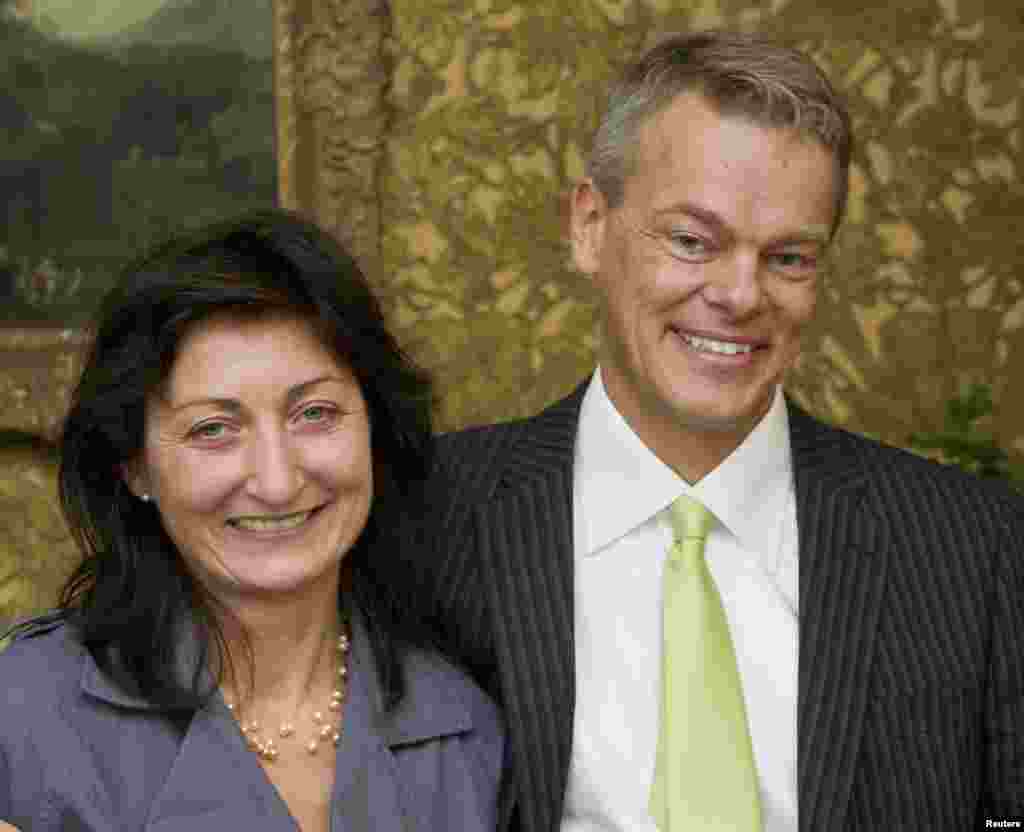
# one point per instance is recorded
(122, 121)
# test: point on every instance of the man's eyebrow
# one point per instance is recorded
(294, 393)
(705, 215)
(811, 234)
(818, 233)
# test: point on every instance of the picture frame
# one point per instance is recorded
(116, 138)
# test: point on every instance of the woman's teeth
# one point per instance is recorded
(720, 347)
(269, 524)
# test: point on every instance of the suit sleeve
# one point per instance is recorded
(22, 793)
(1005, 704)
(5, 785)
(449, 581)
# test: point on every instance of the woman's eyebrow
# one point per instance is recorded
(294, 393)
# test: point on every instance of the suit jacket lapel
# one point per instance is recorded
(216, 783)
(525, 539)
(366, 793)
(843, 542)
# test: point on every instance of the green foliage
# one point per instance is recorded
(964, 443)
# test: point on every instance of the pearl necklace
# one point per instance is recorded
(266, 748)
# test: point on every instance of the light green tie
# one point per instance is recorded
(705, 779)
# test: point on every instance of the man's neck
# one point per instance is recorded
(690, 451)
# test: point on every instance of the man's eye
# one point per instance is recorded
(689, 246)
(790, 259)
(795, 263)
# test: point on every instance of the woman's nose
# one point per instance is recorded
(274, 473)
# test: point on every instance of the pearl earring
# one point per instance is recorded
(145, 498)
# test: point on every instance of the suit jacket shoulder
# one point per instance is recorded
(41, 670)
(475, 462)
(911, 580)
(907, 478)
(473, 469)
(78, 752)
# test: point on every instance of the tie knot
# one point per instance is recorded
(690, 519)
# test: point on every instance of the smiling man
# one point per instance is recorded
(702, 608)
(708, 266)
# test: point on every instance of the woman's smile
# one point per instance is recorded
(260, 446)
(272, 523)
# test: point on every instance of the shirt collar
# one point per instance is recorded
(619, 482)
(117, 687)
(436, 703)
(749, 490)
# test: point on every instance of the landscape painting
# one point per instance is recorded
(122, 121)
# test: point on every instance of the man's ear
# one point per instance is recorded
(588, 216)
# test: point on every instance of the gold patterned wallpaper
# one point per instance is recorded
(439, 138)
(492, 106)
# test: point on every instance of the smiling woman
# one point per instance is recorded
(237, 641)
(257, 454)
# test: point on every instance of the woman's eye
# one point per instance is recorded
(210, 430)
(316, 413)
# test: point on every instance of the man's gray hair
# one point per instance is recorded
(739, 75)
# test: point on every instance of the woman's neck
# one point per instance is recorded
(282, 651)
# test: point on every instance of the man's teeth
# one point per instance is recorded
(266, 524)
(720, 347)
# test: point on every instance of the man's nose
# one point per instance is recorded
(734, 284)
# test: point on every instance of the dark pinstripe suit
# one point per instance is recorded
(911, 679)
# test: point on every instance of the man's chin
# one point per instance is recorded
(720, 417)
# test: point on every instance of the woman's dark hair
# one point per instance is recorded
(132, 591)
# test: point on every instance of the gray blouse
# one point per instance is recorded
(78, 752)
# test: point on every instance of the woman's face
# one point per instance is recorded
(257, 456)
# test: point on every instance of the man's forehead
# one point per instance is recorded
(660, 130)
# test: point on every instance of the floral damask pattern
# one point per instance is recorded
(36, 553)
(493, 103)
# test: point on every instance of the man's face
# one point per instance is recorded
(708, 269)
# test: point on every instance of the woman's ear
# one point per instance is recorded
(135, 480)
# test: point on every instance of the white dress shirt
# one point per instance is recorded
(621, 492)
